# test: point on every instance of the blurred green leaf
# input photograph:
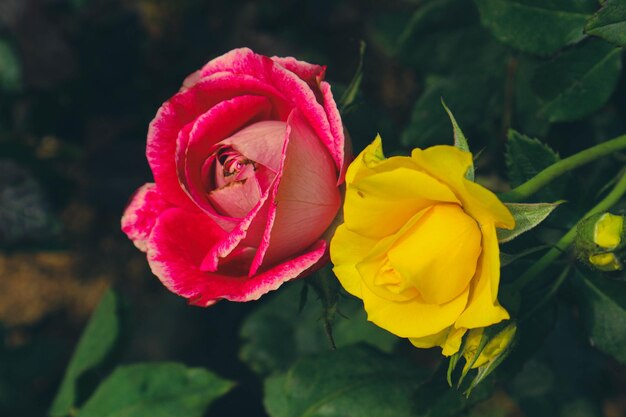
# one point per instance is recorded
(98, 341)
(508, 258)
(159, 389)
(609, 22)
(348, 97)
(526, 115)
(469, 96)
(436, 399)
(536, 26)
(578, 81)
(527, 216)
(603, 312)
(445, 37)
(10, 69)
(353, 381)
(525, 158)
(276, 334)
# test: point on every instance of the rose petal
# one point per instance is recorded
(483, 308)
(236, 199)
(261, 142)
(141, 214)
(336, 127)
(196, 141)
(308, 199)
(183, 108)
(175, 253)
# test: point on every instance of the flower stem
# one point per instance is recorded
(525, 190)
(561, 246)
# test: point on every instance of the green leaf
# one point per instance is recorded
(276, 334)
(97, 343)
(508, 259)
(352, 381)
(578, 81)
(348, 97)
(159, 389)
(10, 70)
(525, 158)
(466, 94)
(603, 312)
(459, 140)
(446, 37)
(536, 26)
(527, 216)
(609, 22)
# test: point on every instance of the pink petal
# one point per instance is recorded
(196, 141)
(261, 142)
(237, 198)
(336, 127)
(310, 73)
(306, 197)
(141, 214)
(302, 97)
(175, 253)
(298, 81)
(183, 108)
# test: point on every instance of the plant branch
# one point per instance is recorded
(527, 189)
(609, 201)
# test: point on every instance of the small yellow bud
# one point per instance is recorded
(601, 242)
(605, 262)
(494, 348)
(608, 231)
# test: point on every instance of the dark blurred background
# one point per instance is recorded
(80, 81)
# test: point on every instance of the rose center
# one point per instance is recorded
(234, 166)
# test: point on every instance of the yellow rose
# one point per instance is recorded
(418, 245)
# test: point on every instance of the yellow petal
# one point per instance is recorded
(412, 318)
(482, 308)
(346, 249)
(449, 339)
(380, 204)
(367, 159)
(449, 164)
(607, 232)
(605, 261)
(438, 254)
(483, 203)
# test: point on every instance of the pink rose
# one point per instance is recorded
(247, 158)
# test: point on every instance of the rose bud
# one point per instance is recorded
(247, 160)
(600, 241)
(492, 349)
(418, 245)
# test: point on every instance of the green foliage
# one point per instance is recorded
(609, 23)
(97, 343)
(536, 26)
(578, 81)
(155, 390)
(527, 216)
(276, 334)
(349, 96)
(352, 381)
(429, 124)
(525, 158)
(10, 69)
(603, 303)
(460, 141)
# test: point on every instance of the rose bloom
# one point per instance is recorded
(419, 245)
(247, 159)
